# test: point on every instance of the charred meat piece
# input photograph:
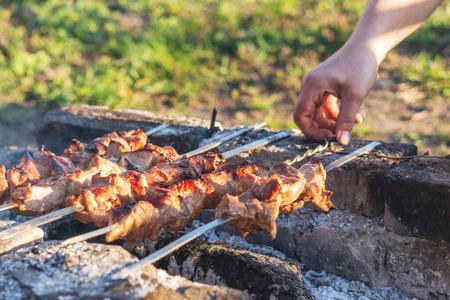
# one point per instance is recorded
(149, 156)
(34, 199)
(24, 172)
(285, 191)
(135, 186)
(49, 164)
(49, 193)
(123, 142)
(173, 208)
(315, 192)
(234, 179)
(169, 209)
(108, 192)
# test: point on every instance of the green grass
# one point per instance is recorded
(125, 53)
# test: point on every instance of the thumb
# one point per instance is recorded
(346, 119)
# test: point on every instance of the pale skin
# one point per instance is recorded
(332, 93)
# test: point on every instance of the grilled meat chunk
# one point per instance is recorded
(24, 172)
(34, 199)
(122, 142)
(315, 192)
(108, 192)
(49, 164)
(137, 186)
(49, 193)
(173, 208)
(149, 156)
(170, 209)
(285, 191)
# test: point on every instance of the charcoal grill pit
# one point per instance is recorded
(307, 236)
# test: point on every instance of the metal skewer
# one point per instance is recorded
(88, 235)
(56, 215)
(228, 154)
(8, 206)
(123, 273)
(217, 142)
(157, 128)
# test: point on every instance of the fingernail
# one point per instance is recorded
(345, 137)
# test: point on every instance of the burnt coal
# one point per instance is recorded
(261, 276)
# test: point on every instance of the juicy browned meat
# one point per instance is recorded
(234, 179)
(138, 186)
(33, 179)
(49, 193)
(111, 191)
(173, 208)
(24, 172)
(315, 192)
(125, 141)
(48, 164)
(34, 199)
(97, 165)
(169, 209)
(285, 191)
(149, 156)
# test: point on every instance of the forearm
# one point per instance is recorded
(385, 23)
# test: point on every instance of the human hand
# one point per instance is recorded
(347, 76)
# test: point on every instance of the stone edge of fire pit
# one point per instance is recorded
(84, 122)
(80, 271)
(418, 199)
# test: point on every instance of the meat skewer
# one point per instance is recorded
(17, 229)
(136, 187)
(50, 170)
(75, 157)
(226, 155)
(124, 272)
(121, 189)
(173, 208)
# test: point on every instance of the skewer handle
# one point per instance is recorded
(7, 206)
(56, 215)
(225, 138)
(123, 273)
(348, 157)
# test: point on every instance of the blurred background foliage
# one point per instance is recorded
(185, 57)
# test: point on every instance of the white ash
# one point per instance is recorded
(322, 285)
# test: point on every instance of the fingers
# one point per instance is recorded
(348, 116)
(308, 114)
(331, 109)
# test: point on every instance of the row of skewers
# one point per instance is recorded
(116, 178)
(132, 189)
